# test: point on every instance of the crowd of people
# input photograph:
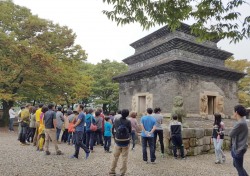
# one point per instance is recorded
(86, 128)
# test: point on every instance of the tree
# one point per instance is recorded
(213, 18)
(244, 84)
(39, 60)
(105, 91)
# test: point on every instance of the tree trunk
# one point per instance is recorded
(34, 102)
(6, 107)
(104, 108)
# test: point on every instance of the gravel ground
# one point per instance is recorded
(26, 161)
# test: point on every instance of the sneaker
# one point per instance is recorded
(59, 152)
(112, 173)
(217, 162)
(133, 149)
(183, 158)
(175, 158)
(109, 151)
(146, 162)
(47, 153)
(162, 155)
(73, 157)
(87, 155)
(152, 162)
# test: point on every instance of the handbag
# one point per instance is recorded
(93, 127)
(71, 127)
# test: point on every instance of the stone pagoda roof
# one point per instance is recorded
(180, 65)
(185, 28)
(181, 44)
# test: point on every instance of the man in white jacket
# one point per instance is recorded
(12, 115)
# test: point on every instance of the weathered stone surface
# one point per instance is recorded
(186, 143)
(193, 151)
(208, 132)
(207, 140)
(199, 133)
(205, 148)
(188, 133)
(192, 142)
(199, 142)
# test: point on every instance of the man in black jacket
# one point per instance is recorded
(122, 141)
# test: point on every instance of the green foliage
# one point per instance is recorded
(244, 84)
(214, 18)
(39, 60)
(105, 91)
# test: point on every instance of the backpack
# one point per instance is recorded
(122, 132)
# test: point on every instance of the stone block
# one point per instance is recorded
(208, 132)
(188, 133)
(211, 151)
(199, 133)
(193, 151)
(206, 148)
(212, 146)
(192, 142)
(226, 144)
(186, 143)
(207, 140)
(166, 133)
(199, 142)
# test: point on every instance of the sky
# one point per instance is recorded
(100, 37)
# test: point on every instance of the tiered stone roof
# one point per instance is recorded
(176, 64)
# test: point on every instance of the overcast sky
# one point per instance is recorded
(102, 38)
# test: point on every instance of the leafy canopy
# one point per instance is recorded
(242, 65)
(213, 18)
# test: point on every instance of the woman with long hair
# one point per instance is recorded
(218, 136)
(135, 127)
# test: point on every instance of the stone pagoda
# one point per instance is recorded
(167, 64)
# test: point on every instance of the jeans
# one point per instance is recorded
(133, 137)
(117, 152)
(79, 144)
(98, 135)
(23, 133)
(58, 131)
(107, 143)
(217, 148)
(65, 135)
(177, 143)
(160, 134)
(238, 159)
(11, 124)
(50, 134)
(148, 141)
(31, 134)
(90, 139)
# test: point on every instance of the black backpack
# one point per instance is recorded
(122, 132)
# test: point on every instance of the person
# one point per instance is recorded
(32, 124)
(38, 114)
(135, 127)
(148, 123)
(98, 132)
(12, 115)
(218, 136)
(41, 132)
(239, 138)
(103, 119)
(176, 137)
(79, 130)
(25, 115)
(66, 125)
(50, 129)
(159, 130)
(20, 122)
(59, 122)
(107, 134)
(90, 134)
(122, 141)
(71, 132)
(117, 116)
